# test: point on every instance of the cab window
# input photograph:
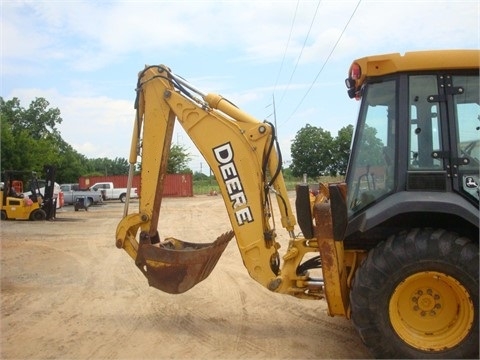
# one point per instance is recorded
(372, 164)
(467, 115)
(467, 111)
(424, 117)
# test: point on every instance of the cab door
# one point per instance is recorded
(444, 141)
(464, 113)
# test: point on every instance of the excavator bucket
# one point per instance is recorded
(175, 266)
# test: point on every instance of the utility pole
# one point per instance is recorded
(274, 113)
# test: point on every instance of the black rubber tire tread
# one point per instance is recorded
(38, 215)
(392, 261)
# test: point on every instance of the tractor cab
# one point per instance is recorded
(416, 155)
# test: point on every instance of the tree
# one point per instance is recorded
(29, 138)
(9, 153)
(342, 150)
(312, 152)
(120, 166)
(199, 176)
(178, 160)
(40, 121)
(105, 166)
(371, 151)
(71, 164)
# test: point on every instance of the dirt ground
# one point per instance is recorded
(68, 293)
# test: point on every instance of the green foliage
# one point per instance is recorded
(30, 139)
(178, 160)
(40, 121)
(316, 153)
(312, 152)
(287, 174)
(199, 176)
(371, 150)
(204, 184)
(105, 166)
(342, 145)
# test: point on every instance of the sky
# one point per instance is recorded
(280, 61)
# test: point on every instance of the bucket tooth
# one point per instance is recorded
(175, 266)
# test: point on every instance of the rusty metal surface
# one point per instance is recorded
(175, 266)
(332, 255)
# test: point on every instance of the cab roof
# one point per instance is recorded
(432, 60)
(419, 60)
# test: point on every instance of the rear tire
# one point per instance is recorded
(123, 197)
(416, 296)
(38, 215)
(3, 215)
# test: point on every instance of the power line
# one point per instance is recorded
(286, 47)
(301, 52)
(325, 62)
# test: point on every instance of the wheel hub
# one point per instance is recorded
(426, 302)
(431, 311)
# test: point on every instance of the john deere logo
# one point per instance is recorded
(224, 155)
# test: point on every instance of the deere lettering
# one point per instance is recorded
(224, 156)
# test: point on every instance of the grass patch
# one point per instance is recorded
(207, 185)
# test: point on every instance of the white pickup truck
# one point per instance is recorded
(72, 191)
(110, 192)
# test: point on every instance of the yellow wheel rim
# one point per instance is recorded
(431, 311)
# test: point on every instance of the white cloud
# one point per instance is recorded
(97, 127)
(83, 56)
(91, 35)
(94, 126)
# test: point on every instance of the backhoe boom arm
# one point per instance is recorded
(243, 155)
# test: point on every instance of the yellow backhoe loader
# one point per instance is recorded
(397, 242)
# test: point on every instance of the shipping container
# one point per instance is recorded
(176, 185)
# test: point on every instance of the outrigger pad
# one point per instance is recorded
(175, 266)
